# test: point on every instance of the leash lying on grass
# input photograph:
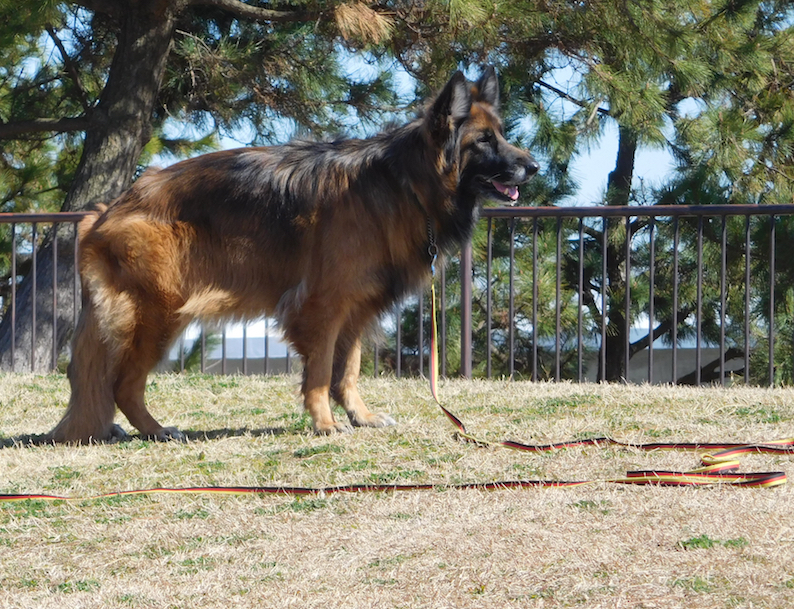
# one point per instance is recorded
(713, 474)
(718, 468)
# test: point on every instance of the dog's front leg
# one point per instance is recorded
(318, 368)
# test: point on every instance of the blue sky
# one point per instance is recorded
(591, 169)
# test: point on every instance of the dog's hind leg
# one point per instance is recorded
(344, 388)
(89, 416)
(129, 391)
(145, 350)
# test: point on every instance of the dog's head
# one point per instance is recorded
(464, 121)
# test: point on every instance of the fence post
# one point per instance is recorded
(465, 310)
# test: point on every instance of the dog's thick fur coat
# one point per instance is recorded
(325, 236)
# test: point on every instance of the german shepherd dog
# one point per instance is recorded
(323, 236)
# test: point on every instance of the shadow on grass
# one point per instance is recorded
(188, 436)
(217, 434)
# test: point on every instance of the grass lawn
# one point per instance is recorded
(600, 545)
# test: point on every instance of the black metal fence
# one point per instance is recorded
(28, 242)
(680, 294)
(700, 280)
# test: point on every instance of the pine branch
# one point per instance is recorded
(246, 11)
(9, 131)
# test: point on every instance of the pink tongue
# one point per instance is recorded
(508, 191)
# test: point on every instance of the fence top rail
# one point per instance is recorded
(597, 211)
(625, 211)
(29, 218)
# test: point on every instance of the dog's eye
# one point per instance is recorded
(485, 138)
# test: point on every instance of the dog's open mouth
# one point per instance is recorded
(507, 191)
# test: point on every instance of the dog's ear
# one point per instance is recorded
(450, 108)
(488, 87)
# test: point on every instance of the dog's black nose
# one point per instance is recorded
(526, 167)
(532, 167)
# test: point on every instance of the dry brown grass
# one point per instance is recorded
(596, 546)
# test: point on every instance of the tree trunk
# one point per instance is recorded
(618, 324)
(119, 128)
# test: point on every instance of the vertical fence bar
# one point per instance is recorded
(511, 303)
(604, 282)
(35, 292)
(557, 301)
(534, 294)
(488, 299)
(747, 300)
(245, 348)
(651, 294)
(676, 239)
(223, 350)
(14, 296)
(398, 340)
(465, 310)
(627, 300)
(203, 339)
(289, 360)
(723, 288)
(699, 304)
(76, 276)
(54, 362)
(580, 307)
(772, 300)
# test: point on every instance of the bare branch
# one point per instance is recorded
(106, 7)
(246, 11)
(570, 98)
(70, 68)
(10, 131)
(659, 331)
(711, 372)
